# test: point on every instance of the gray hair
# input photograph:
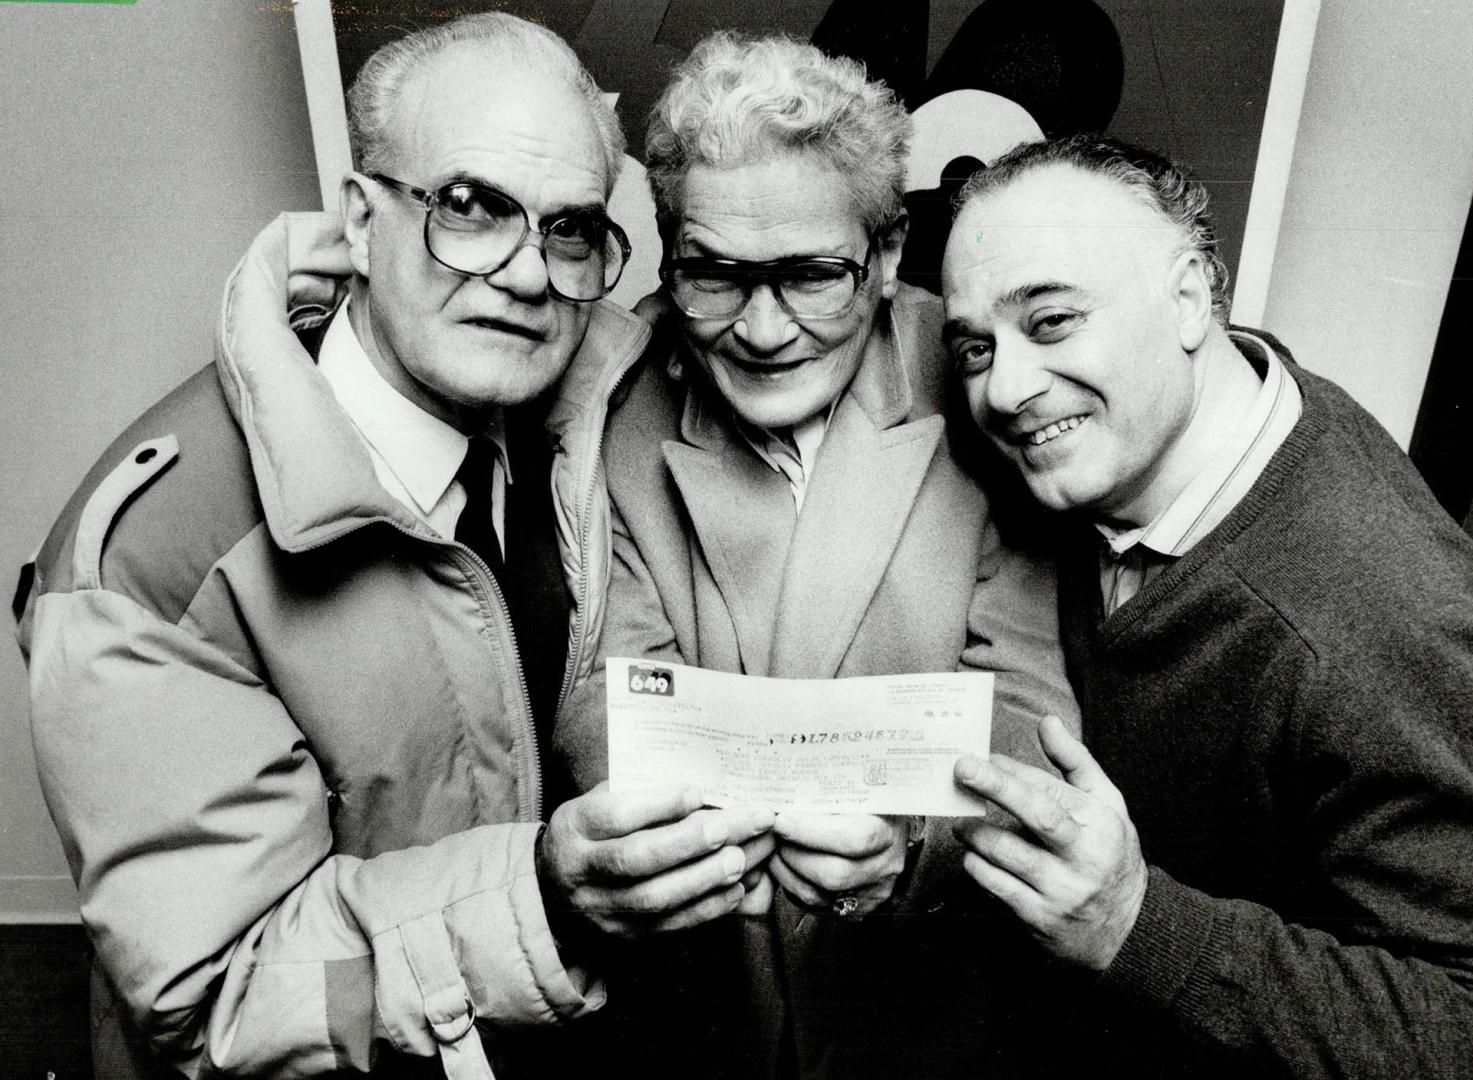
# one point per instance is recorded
(1158, 182)
(374, 92)
(737, 100)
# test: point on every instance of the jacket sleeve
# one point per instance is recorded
(1013, 631)
(196, 823)
(1384, 812)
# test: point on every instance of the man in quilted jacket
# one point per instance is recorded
(298, 642)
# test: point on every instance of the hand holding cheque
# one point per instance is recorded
(847, 764)
(1076, 875)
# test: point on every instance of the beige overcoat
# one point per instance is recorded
(892, 566)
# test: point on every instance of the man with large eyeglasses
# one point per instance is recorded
(300, 641)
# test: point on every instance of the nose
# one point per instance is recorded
(524, 275)
(1016, 377)
(763, 326)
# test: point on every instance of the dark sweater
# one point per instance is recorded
(1287, 712)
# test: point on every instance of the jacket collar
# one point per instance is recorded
(314, 477)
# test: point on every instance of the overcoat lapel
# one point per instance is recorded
(742, 513)
(866, 480)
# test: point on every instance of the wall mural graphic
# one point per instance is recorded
(1187, 77)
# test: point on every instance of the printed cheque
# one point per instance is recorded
(881, 744)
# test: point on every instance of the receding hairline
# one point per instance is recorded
(508, 65)
(1062, 169)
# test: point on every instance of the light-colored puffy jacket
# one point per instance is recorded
(281, 725)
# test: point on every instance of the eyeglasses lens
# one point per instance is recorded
(475, 230)
(807, 290)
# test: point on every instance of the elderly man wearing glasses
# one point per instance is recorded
(785, 504)
(298, 642)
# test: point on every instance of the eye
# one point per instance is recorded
(1050, 326)
(470, 205)
(972, 357)
(708, 283)
(812, 277)
(577, 235)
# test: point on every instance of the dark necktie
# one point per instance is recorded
(532, 582)
(476, 528)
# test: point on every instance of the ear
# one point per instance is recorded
(357, 215)
(892, 245)
(1191, 295)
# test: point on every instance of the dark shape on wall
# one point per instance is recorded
(1060, 60)
(892, 48)
(1442, 444)
(930, 222)
(622, 43)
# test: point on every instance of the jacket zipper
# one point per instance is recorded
(532, 762)
(533, 755)
(575, 654)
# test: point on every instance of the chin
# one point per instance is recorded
(791, 406)
(519, 381)
(1056, 493)
(776, 414)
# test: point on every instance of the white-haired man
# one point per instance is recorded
(785, 504)
(298, 642)
(1266, 853)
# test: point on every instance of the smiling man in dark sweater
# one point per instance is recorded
(1266, 854)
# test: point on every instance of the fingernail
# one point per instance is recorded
(762, 820)
(734, 895)
(693, 799)
(966, 768)
(734, 863)
(715, 833)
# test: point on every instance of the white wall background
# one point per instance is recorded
(1378, 195)
(143, 146)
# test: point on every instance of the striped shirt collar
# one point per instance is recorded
(790, 451)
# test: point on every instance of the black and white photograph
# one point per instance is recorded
(749, 540)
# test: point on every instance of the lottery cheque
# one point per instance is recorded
(882, 744)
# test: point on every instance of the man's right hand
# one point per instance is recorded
(650, 861)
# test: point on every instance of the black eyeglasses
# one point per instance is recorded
(474, 229)
(806, 286)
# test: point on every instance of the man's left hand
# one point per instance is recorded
(1076, 876)
(840, 862)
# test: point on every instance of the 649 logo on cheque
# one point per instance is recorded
(651, 680)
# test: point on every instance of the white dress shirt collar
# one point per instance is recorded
(415, 455)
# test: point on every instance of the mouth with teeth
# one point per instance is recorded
(767, 369)
(1052, 431)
